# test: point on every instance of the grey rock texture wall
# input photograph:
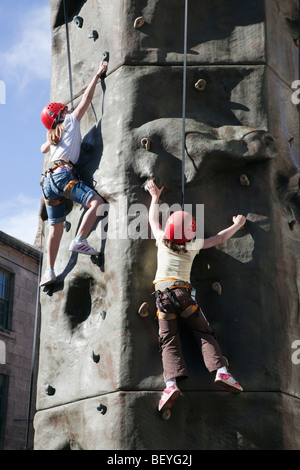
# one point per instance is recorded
(240, 124)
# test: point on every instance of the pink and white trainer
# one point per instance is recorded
(48, 278)
(168, 397)
(228, 381)
(82, 246)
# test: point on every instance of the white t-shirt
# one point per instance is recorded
(171, 265)
(68, 147)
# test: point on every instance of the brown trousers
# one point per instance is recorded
(172, 357)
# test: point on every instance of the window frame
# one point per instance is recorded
(7, 314)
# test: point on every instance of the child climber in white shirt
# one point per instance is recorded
(177, 249)
(60, 182)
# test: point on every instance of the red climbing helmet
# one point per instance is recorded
(180, 227)
(50, 113)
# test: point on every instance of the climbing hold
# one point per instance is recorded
(78, 21)
(166, 414)
(144, 310)
(292, 224)
(95, 357)
(291, 141)
(105, 61)
(138, 22)
(50, 390)
(244, 180)
(296, 41)
(145, 143)
(105, 57)
(94, 35)
(102, 408)
(217, 288)
(67, 225)
(200, 85)
(103, 314)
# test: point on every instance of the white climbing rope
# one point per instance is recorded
(184, 100)
(68, 52)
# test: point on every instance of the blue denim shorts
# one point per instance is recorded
(53, 191)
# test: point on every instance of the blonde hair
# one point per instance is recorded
(54, 135)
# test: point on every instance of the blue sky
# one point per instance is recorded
(25, 58)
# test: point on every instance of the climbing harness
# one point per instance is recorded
(166, 287)
(69, 186)
(68, 52)
(52, 203)
(192, 309)
(184, 99)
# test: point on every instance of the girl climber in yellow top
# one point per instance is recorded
(177, 248)
(63, 142)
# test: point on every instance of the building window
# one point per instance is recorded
(2, 398)
(5, 289)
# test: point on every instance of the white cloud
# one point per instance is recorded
(29, 56)
(19, 218)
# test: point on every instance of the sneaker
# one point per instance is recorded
(48, 278)
(228, 382)
(168, 397)
(82, 246)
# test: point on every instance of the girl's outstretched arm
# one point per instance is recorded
(221, 237)
(89, 93)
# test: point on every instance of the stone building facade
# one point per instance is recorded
(19, 267)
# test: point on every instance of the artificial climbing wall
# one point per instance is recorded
(100, 373)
